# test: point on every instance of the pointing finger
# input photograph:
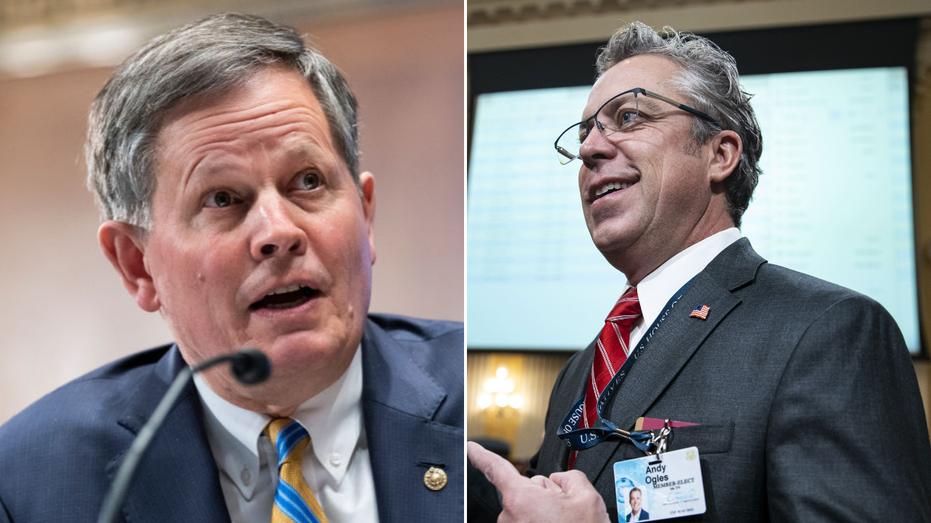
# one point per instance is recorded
(498, 470)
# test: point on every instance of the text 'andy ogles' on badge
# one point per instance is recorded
(659, 487)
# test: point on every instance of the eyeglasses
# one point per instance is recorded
(618, 115)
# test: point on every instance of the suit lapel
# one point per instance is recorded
(177, 479)
(674, 343)
(670, 349)
(554, 453)
(399, 401)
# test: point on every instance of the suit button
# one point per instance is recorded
(434, 478)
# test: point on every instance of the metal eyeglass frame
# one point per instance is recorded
(563, 153)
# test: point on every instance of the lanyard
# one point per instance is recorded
(601, 429)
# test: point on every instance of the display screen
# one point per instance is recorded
(835, 201)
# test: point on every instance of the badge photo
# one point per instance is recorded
(664, 486)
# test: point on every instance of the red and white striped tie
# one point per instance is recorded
(613, 349)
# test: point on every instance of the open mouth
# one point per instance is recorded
(285, 298)
(609, 188)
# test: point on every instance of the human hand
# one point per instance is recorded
(563, 496)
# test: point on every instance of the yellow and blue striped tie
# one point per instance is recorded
(294, 501)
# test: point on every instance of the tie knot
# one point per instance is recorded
(626, 310)
(289, 438)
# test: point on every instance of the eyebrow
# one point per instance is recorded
(627, 98)
(642, 100)
(650, 102)
(205, 173)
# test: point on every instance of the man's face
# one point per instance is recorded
(664, 191)
(635, 501)
(260, 237)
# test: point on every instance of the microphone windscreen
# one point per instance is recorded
(251, 366)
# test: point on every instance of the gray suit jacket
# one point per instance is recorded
(805, 393)
(59, 456)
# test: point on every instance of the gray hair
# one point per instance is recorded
(210, 56)
(709, 77)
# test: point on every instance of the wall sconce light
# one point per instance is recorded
(500, 392)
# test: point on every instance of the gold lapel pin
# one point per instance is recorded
(434, 478)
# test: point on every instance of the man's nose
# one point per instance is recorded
(596, 146)
(276, 230)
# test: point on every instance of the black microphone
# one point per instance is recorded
(250, 366)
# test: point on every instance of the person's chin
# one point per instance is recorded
(309, 350)
(612, 239)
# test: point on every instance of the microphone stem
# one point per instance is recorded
(117, 493)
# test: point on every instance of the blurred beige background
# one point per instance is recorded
(65, 311)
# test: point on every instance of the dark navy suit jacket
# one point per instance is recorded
(59, 456)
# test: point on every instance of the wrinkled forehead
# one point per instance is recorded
(652, 72)
(259, 88)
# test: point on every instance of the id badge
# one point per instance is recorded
(659, 487)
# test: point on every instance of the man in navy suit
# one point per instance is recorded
(224, 158)
(782, 376)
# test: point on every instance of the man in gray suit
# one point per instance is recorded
(802, 393)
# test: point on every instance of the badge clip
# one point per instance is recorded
(646, 440)
(658, 445)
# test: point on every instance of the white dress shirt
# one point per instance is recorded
(336, 466)
(658, 287)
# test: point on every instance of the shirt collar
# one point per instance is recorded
(333, 418)
(658, 286)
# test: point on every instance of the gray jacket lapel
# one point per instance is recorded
(674, 344)
(177, 478)
(570, 385)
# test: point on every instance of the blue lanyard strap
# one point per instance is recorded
(602, 429)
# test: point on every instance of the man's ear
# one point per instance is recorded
(367, 183)
(726, 148)
(124, 246)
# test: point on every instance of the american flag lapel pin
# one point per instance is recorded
(701, 311)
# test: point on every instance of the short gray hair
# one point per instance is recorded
(709, 77)
(210, 56)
